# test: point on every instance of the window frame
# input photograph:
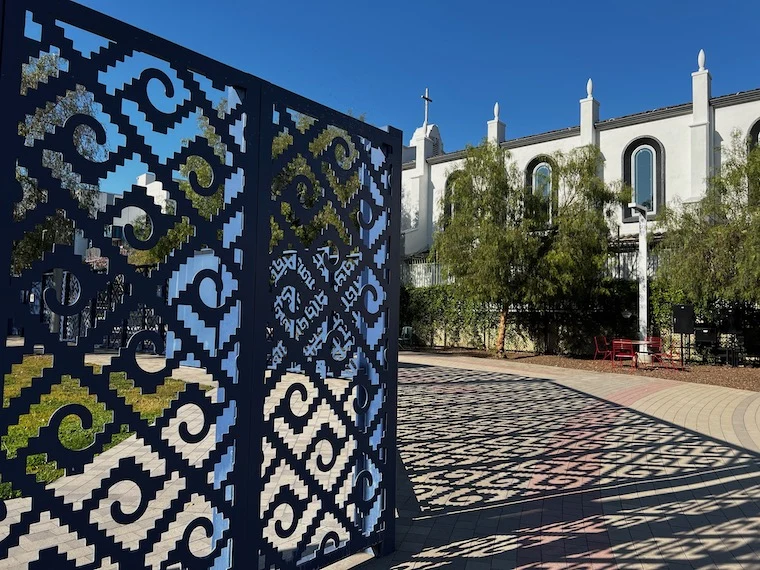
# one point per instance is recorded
(754, 134)
(753, 141)
(447, 205)
(658, 192)
(535, 189)
(530, 170)
(634, 172)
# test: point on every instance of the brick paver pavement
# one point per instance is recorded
(510, 466)
(50, 535)
(520, 466)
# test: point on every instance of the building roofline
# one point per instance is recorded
(549, 136)
(608, 124)
(456, 155)
(736, 98)
(513, 143)
(645, 117)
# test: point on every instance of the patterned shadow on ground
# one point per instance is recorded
(504, 471)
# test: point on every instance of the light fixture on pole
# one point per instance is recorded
(642, 271)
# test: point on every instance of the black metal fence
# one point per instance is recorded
(288, 461)
(73, 327)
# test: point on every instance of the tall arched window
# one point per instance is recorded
(754, 184)
(542, 185)
(644, 172)
(644, 177)
(754, 135)
(541, 181)
(447, 205)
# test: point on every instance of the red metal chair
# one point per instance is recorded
(654, 344)
(654, 347)
(622, 351)
(672, 358)
(603, 347)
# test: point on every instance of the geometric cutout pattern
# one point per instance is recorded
(329, 436)
(248, 413)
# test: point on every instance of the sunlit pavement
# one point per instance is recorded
(510, 466)
(501, 466)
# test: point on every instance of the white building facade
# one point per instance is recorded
(666, 155)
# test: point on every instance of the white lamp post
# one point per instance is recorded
(642, 271)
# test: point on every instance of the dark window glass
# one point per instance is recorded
(643, 178)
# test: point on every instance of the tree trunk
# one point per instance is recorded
(502, 331)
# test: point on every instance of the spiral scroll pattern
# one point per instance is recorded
(262, 324)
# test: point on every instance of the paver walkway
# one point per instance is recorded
(509, 466)
(520, 466)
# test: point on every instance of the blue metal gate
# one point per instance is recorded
(278, 219)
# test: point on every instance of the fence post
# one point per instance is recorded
(10, 97)
(251, 363)
(124, 326)
(93, 312)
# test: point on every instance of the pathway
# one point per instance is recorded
(522, 466)
(505, 465)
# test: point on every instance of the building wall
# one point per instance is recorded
(131, 214)
(674, 135)
(439, 174)
(692, 136)
(417, 190)
(524, 154)
(741, 117)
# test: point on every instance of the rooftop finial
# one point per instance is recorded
(496, 111)
(428, 100)
(590, 88)
(701, 60)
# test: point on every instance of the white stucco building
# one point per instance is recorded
(154, 189)
(131, 214)
(665, 154)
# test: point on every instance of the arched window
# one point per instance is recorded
(644, 177)
(447, 205)
(644, 172)
(754, 135)
(754, 184)
(542, 185)
(541, 181)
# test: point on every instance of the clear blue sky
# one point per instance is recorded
(534, 58)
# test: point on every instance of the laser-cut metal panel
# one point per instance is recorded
(283, 453)
(89, 103)
(332, 332)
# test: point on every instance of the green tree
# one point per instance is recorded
(57, 228)
(574, 247)
(711, 250)
(569, 277)
(486, 243)
(502, 247)
(207, 206)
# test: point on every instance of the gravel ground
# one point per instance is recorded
(744, 378)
